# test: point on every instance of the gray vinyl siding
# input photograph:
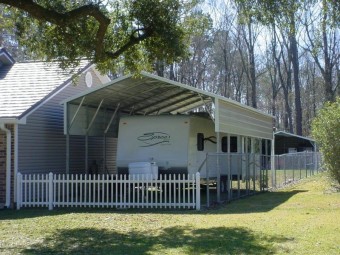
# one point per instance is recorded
(42, 143)
(95, 153)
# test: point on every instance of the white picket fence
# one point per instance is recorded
(119, 191)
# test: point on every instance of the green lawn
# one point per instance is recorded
(302, 219)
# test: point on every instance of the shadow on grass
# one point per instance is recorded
(218, 240)
(262, 202)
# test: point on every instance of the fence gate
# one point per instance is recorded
(233, 175)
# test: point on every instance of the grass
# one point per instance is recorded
(301, 219)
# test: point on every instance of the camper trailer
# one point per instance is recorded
(176, 144)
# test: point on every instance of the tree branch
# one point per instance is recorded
(63, 19)
(133, 41)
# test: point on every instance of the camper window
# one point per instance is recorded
(200, 141)
(224, 144)
(233, 144)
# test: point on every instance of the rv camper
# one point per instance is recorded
(173, 144)
(177, 144)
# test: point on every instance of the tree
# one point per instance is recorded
(322, 42)
(284, 14)
(133, 32)
(326, 131)
(248, 22)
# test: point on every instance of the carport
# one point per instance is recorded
(96, 112)
(289, 143)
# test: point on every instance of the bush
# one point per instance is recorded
(326, 131)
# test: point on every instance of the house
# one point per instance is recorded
(32, 121)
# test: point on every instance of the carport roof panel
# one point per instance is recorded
(143, 95)
(150, 94)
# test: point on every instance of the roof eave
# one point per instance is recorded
(287, 134)
(12, 120)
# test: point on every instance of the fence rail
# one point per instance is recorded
(241, 174)
(120, 191)
(227, 176)
(236, 174)
(292, 167)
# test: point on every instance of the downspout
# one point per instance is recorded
(16, 128)
(8, 165)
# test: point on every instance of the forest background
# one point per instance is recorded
(282, 57)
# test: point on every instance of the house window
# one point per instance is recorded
(88, 79)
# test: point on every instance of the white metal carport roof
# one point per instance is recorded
(149, 94)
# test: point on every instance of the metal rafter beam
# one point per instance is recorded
(161, 101)
(145, 91)
(143, 101)
(185, 105)
(113, 116)
(94, 116)
(206, 107)
(174, 103)
(76, 113)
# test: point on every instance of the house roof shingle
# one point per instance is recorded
(23, 85)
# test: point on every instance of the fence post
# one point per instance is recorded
(198, 191)
(19, 191)
(272, 163)
(50, 191)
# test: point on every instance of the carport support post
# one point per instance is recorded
(253, 141)
(272, 162)
(104, 154)
(218, 188)
(265, 175)
(67, 152)
(229, 177)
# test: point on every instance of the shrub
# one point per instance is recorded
(326, 131)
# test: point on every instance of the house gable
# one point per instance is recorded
(41, 141)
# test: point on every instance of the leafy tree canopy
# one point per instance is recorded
(131, 33)
(326, 131)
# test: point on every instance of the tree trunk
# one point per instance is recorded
(252, 66)
(295, 62)
(159, 66)
(327, 74)
(172, 73)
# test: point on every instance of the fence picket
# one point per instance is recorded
(121, 191)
